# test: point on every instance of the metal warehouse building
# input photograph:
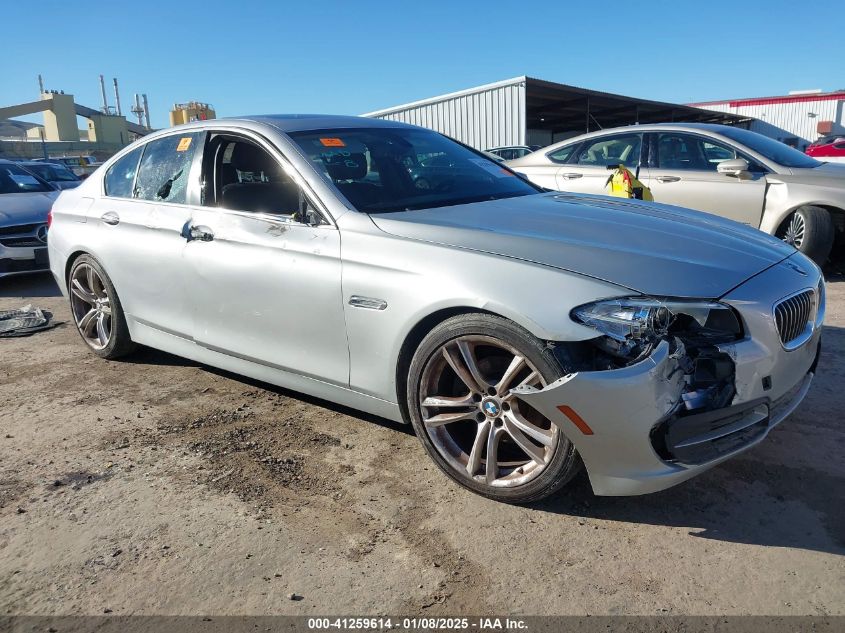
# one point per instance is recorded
(528, 111)
(797, 119)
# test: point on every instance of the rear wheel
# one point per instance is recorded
(475, 428)
(809, 229)
(96, 310)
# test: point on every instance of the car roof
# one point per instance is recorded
(646, 127)
(305, 122)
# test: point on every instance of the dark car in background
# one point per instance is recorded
(57, 174)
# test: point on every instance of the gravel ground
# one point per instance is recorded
(156, 486)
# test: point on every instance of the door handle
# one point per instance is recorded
(668, 178)
(571, 175)
(110, 217)
(199, 233)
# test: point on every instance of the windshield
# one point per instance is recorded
(14, 179)
(380, 170)
(52, 172)
(774, 150)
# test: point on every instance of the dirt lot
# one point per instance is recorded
(156, 486)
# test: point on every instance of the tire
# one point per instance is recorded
(433, 378)
(96, 310)
(810, 229)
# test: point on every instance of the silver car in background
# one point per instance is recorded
(522, 333)
(25, 202)
(724, 170)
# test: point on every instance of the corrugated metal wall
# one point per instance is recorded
(787, 120)
(485, 117)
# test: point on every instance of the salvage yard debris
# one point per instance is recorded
(25, 321)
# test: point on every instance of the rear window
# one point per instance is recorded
(15, 179)
(52, 172)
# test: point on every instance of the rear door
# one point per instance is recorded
(683, 171)
(141, 217)
(588, 169)
(264, 281)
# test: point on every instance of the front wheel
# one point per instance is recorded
(463, 409)
(810, 230)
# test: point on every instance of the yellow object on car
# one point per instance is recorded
(623, 184)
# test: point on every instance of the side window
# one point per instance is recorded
(682, 151)
(562, 155)
(247, 178)
(119, 177)
(604, 152)
(163, 174)
(715, 153)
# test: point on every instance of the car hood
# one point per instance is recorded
(826, 174)
(25, 208)
(650, 248)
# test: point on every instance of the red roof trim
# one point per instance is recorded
(735, 103)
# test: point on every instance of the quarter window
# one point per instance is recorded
(165, 165)
(616, 150)
(119, 177)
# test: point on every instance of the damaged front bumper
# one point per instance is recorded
(627, 424)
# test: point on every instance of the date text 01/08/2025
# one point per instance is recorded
(416, 624)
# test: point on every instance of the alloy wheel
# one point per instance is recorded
(91, 306)
(794, 232)
(473, 418)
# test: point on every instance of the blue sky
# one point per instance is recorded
(249, 57)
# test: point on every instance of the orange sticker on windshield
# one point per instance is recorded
(184, 144)
(332, 142)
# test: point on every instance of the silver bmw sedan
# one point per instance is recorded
(523, 333)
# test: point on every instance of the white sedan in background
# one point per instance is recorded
(719, 169)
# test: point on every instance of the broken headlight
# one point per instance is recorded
(632, 325)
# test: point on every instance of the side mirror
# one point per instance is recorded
(733, 167)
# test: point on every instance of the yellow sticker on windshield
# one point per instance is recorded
(184, 144)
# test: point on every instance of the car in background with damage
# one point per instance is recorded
(522, 333)
(719, 169)
(25, 202)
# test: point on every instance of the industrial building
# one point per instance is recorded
(528, 111)
(796, 119)
(191, 111)
(107, 129)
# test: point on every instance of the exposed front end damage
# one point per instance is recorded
(686, 400)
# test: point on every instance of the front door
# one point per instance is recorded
(682, 172)
(264, 282)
